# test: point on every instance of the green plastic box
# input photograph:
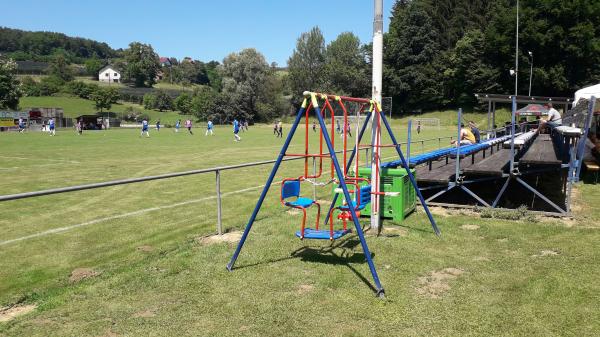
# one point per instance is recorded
(392, 180)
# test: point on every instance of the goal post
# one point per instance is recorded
(428, 123)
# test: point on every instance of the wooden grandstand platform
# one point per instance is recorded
(492, 165)
(541, 152)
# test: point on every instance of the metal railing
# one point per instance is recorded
(216, 170)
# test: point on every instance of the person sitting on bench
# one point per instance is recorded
(554, 118)
(466, 136)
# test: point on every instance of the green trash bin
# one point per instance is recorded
(393, 180)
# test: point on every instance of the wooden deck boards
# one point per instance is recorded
(541, 152)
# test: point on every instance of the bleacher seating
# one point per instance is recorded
(465, 150)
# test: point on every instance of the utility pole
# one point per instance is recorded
(376, 96)
(517, 54)
(530, 71)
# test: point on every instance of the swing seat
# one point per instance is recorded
(300, 202)
(322, 234)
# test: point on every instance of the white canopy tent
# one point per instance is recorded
(587, 93)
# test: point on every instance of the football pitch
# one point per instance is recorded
(147, 268)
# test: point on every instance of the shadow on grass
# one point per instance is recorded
(340, 252)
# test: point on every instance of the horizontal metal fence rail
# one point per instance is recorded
(216, 170)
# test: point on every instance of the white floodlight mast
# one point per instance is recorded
(377, 61)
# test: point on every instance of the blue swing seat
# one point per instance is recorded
(322, 234)
(300, 202)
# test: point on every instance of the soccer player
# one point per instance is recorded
(52, 127)
(158, 125)
(314, 126)
(280, 129)
(188, 125)
(236, 130)
(209, 128)
(177, 125)
(80, 126)
(21, 125)
(145, 128)
(275, 132)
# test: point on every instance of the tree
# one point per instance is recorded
(203, 103)
(306, 64)
(142, 64)
(409, 49)
(468, 73)
(105, 97)
(346, 67)
(93, 66)
(163, 101)
(183, 103)
(244, 75)
(149, 101)
(60, 68)
(10, 88)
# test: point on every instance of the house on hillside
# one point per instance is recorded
(109, 74)
(165, 62)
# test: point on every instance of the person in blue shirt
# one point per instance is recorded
(145, 128)
(177, 125)
(209, 128)
(236, 130)
(52, 127)
(475, 131)
(158, 125)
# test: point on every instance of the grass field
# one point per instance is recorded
(151, 276)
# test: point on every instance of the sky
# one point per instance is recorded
(201, 29)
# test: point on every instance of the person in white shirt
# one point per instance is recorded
(554, 118)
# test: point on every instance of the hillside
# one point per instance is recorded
(41, 46)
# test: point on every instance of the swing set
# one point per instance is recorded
(357, 192)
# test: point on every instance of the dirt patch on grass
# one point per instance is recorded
(324, 202)
(9, 313)
(293, 211)
(305, 288)
(470, 227)
(79, 274)
(394, 231)
(145, 248)
(546, 252)
(502, 240)
(144, 314)
(436, 283)
(231, 237)
(109, 333)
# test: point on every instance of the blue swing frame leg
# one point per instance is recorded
(410, 175)
(360, 135)
(379, 289)
(266, 188)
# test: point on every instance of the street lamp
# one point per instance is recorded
(530, 70)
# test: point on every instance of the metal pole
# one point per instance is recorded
(314, 162)
(512, 134)
(379, 289)
(517, 54)
(376, 96)
(408, 140)
(219, 214)
(457, 169)
(530, 71)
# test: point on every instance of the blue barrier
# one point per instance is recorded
(465, 150)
